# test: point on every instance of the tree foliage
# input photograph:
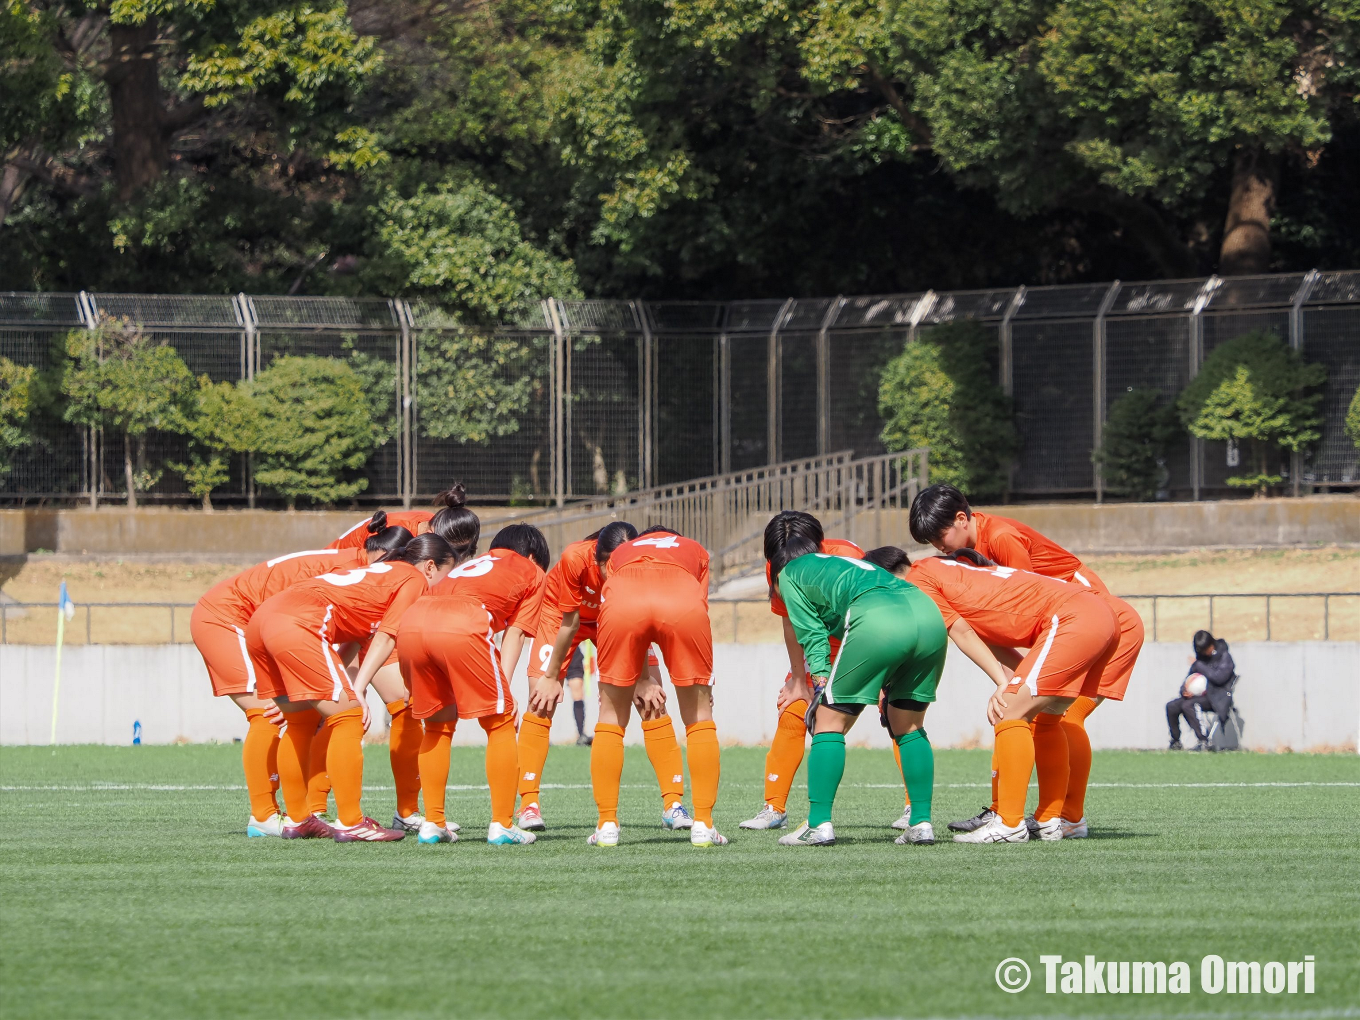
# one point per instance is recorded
(1353, 419)
(1256, 390)
(1132, 455)
(17, 391)
(220, 419)
(941, 392)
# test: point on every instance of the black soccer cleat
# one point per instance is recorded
(976, 822)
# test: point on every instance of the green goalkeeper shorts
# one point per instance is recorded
(894, 641)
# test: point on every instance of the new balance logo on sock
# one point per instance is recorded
(677, 779)
(773, 777)
(530, 775)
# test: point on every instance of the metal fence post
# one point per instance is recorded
(555, 414)
(89, 318)
(647, 385)
(724, 403)
(1098, 385)
(406, 449)
(1296, 341)
(1007, 365)
(252, 340)
(774, 384)
(919, 312)
(824, 375)
(1196, 356)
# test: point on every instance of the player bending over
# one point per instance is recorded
(892, 642)
(655, 590)
(940, 516)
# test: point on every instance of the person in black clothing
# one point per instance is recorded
(1214, 662)
(576, 675)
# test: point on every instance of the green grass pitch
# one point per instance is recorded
(128, 888)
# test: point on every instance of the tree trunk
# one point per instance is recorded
(12, 181)
(127, 472)
(207, 503)
(141, 149)
(1246, 233)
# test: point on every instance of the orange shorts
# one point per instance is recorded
(293, 658)
(449, 659)
(1071, 652)
(1115, 680)
(538, 662)
(222, 643)
(654, 602)
(363, 650)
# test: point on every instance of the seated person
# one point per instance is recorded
(1205, 686)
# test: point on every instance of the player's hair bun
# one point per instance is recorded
(377, 522)
(453, 497)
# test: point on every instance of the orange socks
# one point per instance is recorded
(533, 754)
(705, 768)
(785, 755)
(403, 747)
(663, 751)
(1050, 759)
(259, 760)
(994, 792)
(318, 780)
(606, 770)
(1078, 758)
(345, 763)
(295, 755)
(434, 768)
(897, 754)
(1014, 759)
(502, 763)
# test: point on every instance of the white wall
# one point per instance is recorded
(1292, 695)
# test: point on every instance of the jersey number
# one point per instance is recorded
(344, 578)
(474, 568)
(661, 541)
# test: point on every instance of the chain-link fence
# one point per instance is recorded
(599, 397)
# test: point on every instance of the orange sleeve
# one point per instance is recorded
(572, 588)
(411, 589)
(1008, 549)
(930, 584)
(530, 608)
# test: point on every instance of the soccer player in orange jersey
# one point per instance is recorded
(655, 591)
(571, 606)
(1070, 632)
(448, 653)
(291, 639)
(940, 516)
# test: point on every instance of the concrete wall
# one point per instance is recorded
(1293, 695)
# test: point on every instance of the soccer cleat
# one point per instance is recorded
(367, 831)
(905, 821)
(606, 835)
(1075, 830)
(271, 826)
(806, 835)
(995, 831)
(767, 818)
(1175, 746)
(311, 827)
(1050, 831)
(1032, 824)
(706, 835)
(430, 833)
(676, 817)
(584, 741)
(531, 819)
(409, 823)
(976, 822)
(499, 835)
(920, 834)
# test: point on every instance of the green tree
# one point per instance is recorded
(1257, 390)
(17, 386)
(1353, 419)
(119, 378)
(314, 429)
(1134, 442)
(941, 393)
(220, 420)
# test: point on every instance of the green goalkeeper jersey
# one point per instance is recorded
(819, 590)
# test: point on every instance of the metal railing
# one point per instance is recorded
(1268, 597)
(19, 611)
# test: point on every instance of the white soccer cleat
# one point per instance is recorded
(1050, 831)
(705, 835)
(500, 835)
(271, 826)
(429, 832)
(676, 817)
(905, 821)
(920, 834)
(1075, 830)
(995, 831)
(408, 823)
(531, 819)
(767, 818)
(606, 835)
(806, 835)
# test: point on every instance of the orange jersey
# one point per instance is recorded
(356, 536)
(508, 586)
(830, 546)
(1014, 544)
(1004, 605)
(578, 583)
(358, 603)
(663, 547)
(238, 597)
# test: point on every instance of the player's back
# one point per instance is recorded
(578, 582)
(356, 536)
(1004, 605)
(508, 585)
(663, 548)
(249, 589)
(1013, 543)
(365, 599)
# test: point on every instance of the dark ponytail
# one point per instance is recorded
(384, 543)
(377, 522)
(610, 537)
(455, 523)
(972, 556)
(889, 557)
(790, 534)
(425, 547)
(524, 539)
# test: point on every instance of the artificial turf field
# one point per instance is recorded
(128, 888)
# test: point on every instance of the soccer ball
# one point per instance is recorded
(1195, 685)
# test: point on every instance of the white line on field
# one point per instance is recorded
(171, 788)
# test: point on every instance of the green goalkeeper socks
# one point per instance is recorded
(826, 765)
(918, 771)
